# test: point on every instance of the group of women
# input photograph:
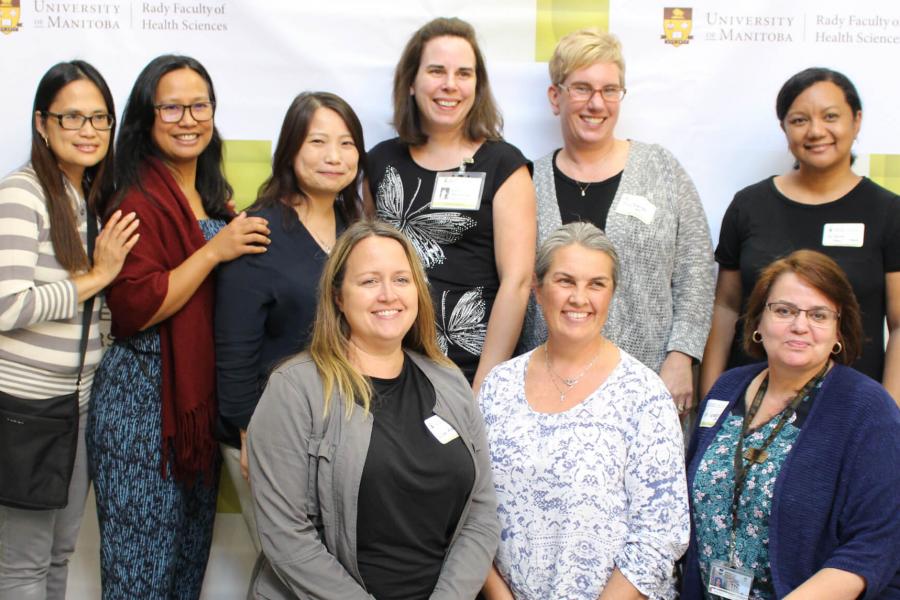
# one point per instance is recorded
(331, 337)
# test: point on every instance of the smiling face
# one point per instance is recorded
(820, 127)
(185, 140)
(378, 297)
(592, 122)
(75, 150)
(445, 84)
(328, 158)
(575, 293)
(796, 343)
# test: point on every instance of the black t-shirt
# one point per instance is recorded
(580, 201)
(762, 224)
(412, 493)
(456, 246)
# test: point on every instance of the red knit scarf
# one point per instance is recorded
(169, 235)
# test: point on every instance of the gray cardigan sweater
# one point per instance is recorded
(309, 553)
(663, 301)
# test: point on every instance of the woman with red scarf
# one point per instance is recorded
(151, 450)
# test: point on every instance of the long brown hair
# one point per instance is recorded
(331, 332)
(97, 182)
(483, 120)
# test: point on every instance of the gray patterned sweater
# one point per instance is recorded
(664, 297)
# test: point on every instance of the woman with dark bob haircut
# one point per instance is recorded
(151, 450)
(820, 204)
(792, 470)
(368, 461)
(265, 303)
(460, 193)
(48, 305)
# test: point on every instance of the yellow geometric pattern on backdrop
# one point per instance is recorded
(556, 18)
(884, 169)
(247, 165)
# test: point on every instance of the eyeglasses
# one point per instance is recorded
(172, 113)
(580, 92)
(75, 121)
(818, 316)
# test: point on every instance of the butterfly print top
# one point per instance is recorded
(456, 246)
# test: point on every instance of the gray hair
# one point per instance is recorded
(579, 232)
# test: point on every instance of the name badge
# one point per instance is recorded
(455, 190)
(441, 429)
(848, 235)
(729, 582)
(636, 206)
(714, 410)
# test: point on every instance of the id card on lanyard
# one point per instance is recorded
(458, 190)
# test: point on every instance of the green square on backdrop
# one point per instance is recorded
(248, 164)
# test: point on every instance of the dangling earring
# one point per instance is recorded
(46, 142)
(837, 348)
(756, 337)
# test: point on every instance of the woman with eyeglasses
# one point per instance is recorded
(45, 279)
(151, 451)
(792, 469)
(820, 204)
(645, 202)
(460, 193)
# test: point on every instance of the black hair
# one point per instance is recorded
(282, 186)
(135, 142)
(805, 79)
(97, 181)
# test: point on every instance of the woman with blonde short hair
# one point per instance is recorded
(645, 202)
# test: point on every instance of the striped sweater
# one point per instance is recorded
(40, 319)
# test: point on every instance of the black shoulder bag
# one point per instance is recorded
(39, 438)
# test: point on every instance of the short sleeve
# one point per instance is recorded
(728, 252)
(509, 160)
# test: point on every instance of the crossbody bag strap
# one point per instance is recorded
(89, 303)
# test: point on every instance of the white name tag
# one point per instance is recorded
(848, 235)
(714, 410)
(441, 429)
(636, 206)
(729, 582)
(457, 191)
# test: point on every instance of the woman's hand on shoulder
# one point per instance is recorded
(243, 235)
(113, 244)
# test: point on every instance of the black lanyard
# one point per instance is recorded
(759, 455)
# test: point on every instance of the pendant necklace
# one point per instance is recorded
(569, 382)
(583, 188)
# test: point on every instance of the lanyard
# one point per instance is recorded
(759, 455)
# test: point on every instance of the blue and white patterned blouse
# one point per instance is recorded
(581, 492)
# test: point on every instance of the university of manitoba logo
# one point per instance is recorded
(9, 16)
(677, 26)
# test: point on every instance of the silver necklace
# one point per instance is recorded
(583, 189)
(569, 382)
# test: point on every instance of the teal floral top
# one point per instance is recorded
(712, 496)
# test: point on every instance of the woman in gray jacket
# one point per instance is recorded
(645, 202)
(368, 461)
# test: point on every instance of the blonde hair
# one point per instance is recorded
(329, 346)
(583, 48)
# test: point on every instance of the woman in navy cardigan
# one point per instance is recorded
(801, 449)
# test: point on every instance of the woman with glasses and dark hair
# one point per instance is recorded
(45, 279)
(368, 461)
(460, 193)
(645, 202)
(265, 303)
(822, 205)
(151, 451)
(792, 469)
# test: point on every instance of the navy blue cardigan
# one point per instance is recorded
(837, 498)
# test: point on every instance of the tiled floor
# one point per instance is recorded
(230, 562)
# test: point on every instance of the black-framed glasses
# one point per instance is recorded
(75, 121)
(818, 316)
(581, 92)
(172, 113)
